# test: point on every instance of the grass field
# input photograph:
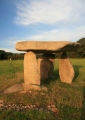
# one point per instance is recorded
(69, 99)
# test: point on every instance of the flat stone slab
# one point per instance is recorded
(14, 88)
(46, 47)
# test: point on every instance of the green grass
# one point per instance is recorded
(31, 115)
(69, 99)
(11, 72)
(10, 67)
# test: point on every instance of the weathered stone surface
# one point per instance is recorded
(46, 47)
(34, 87)
(31, 73)
(66, 70)
(14, 88)
(1, 101)
(46, 66)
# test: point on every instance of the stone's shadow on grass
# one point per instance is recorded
(76, 70)
(83, 105)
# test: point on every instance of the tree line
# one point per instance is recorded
(11, 56)
(79, 53)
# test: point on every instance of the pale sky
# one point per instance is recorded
(44, 20)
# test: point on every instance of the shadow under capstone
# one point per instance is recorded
(76, 69)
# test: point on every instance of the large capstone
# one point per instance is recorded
(46, 47)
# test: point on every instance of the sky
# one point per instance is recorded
(40, 20)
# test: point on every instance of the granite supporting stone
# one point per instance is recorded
(66, 70)
(31, 73)
(46, 66)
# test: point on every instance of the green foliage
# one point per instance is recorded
(81, 50)
(2, 54)
(11, 56)
(79, 53)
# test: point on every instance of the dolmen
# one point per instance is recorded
(42, 68)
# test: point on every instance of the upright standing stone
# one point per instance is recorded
(31, 73)
(66, 70)
(46, 66)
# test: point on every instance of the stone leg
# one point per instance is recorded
(66, 70)
(31, 73)
(46, 66)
